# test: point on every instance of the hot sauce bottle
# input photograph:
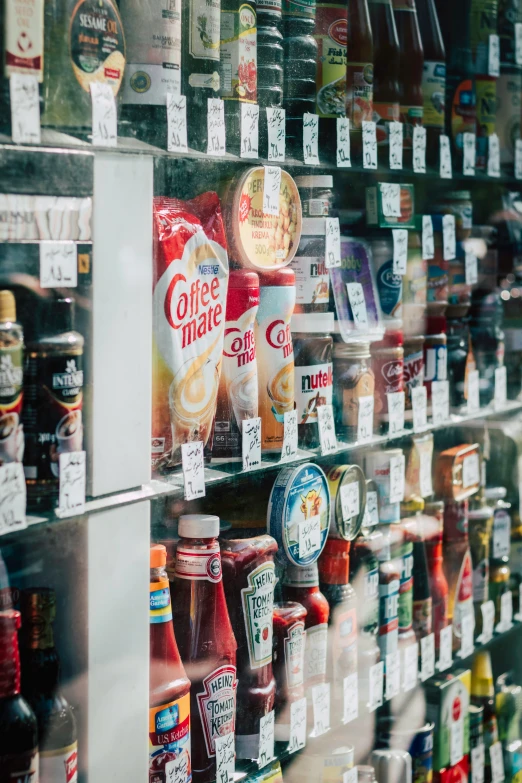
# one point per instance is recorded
(386, 53)
(483, 695)
(202, 621)
(359, 69)
(169, 686)
(411, 64)
(288, 664)
(458, 566)
(432, 524)
(422, 602)
(434, 76)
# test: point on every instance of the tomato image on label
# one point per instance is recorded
(217, 705)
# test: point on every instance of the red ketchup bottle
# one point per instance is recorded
(203, 623)
(288, 664)
(249, 576)
(432, 522)
(169, 686)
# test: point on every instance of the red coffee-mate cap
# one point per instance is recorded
(243, 278)
(277, 277)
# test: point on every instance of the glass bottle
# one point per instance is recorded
(483, 695)
(288, 662)
(386, 55)
(457, 566)
(480, 522)
(300, 66)
(411, 65)
(407, 527)
(390, 569)
(11, 381)
(433, 77)
(432, 523)
(330, 99)
(422, 599)
(359, 70)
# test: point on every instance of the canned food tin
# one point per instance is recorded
(341, 481)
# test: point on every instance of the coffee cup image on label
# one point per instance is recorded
(69, 437)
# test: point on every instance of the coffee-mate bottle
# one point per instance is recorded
(275, 355)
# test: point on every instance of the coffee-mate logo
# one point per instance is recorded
(258, 603)
(279, 336)
(239, 345)
(217, 705)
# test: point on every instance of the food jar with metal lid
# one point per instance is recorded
(312, 278)
(353, 379)
(388, 368)
(317, 196)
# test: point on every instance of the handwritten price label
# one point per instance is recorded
(358, 305)
(177, 123)
(466, 640)
(400, 250)
(58, 265)
(457, 741)
(500, 387)
(321, 708)
(193, 469)
(289, 450)
(369, 145)
(311, 139)
(376, 686)
(332, 256)
(350, 500)
(266, 739)
(395, 412)
(488, 621)
(419, 402)
(365, 419)
(426, 485)
(469, 147)
(473, 391)
(13, 497)
(71, 498)
(518, 43)
(391, 199)
(104, 118)
(395, 145)
(470, 470)
(411, 657)
(477, 764)
(309, 536)
(445, 648)
(506, 611)
(25, 108)
(343, 142)
(275, 119)
(177, 771)
(428, 245)
(493, 156)
(297, 725)
(225, 758)
(251, 443)
(397, 478)
(445, 169)
(216, 143)
(371, 514)
(494, 55)
(249, 131)
(471, 268)
(449, 246)
(271, 188)
(440, 402)
(427, 657)
(327, 437)
(497, 760)
(518, 158)
(350, 698)
(419, 149)
(393, 675)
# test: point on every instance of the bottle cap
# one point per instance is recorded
(158, 556)
(392, 766)
(482, 675)
(277, 277)
(198, 526)
(243, 278)
(7, 307)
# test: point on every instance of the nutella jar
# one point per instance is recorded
(388, 368)
(353, 378)
(312, 278)
(316, 192)
(313, 371)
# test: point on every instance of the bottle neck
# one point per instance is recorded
(40, 671)
(9, 665)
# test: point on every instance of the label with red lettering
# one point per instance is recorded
(199, 564)
(463, 594)
(59, 766)
(359, 93)
(169, 739)
(217, 705)
(313, 387)
(258, 606)
(383, 114)
(312, 280)
(294, 654)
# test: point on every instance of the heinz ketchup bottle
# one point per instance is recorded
(202, 621)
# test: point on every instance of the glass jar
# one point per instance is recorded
(435, 352)
(389, 285)
(353, 378)
(415, 281)
(413, 369)
(487, 337)
(388, 368)
(316, 192)
(458, 203)
(312, 278)
(438, 272)
(459, 291)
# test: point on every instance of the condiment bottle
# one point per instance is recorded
(499, 570)
(57, 734)
(412, 524)
(480, 521)
(331, 34)
(386, 53)
(169, 686)
(202, 621)
(411, 64)
(390, 569)
(483, 695)
(457, 566)
(248, 566)
(288, 662)
(432, 523)
(460, 363)
(353, 378)
(269, 55)
(359, 70)
(299, 66)
(11, 380)
(19, 728)
(388, 369)
(433, 78)
(435, 351)
(508, 705)
(312, 278)
(409, 510)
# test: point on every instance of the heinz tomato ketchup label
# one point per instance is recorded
(190, 289)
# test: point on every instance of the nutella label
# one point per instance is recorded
(294, 654)
(258, 604)
(199, 564)
(312, 280)
(313, 387)
(217, 705)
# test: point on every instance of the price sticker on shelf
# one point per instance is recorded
(518, 43)
(193, 469)
(271, 188)
(71, 499)
(343, 142)
(13, 497)
(471, 267)
(428, 244)
(488, 621)
(289, 450)
(497, 760)
(466, 639)
(358, 305)
(225, 758)
(469, 154)
(58, 265)
(501, 543)
(266, 739)
(456, 741)
(477, 764)
(350, 776)
(104, 118)
(311, 139)
(449, 246)
(440, 402)
(445, 648)
(400, 250)
(297, 725)
(470, 470)
(332, 256)
(177, 123)
(393, 675)
(369, 135)
(350, 698)
(25, 108)
(391, 199)
(395, 139)
(445, 168)
(376, 686)
(518, 159)
(506, 611)
(216, 143)
(350, 500)
(419, 402)
(321, 708)
(309, 536)
(493, 156)
(500, 387)
(419, 149)
(411, 663)
(249, 131)
(395, 412)
(275, 119)
(365, 419)
(473, 391)
(494, 55)
(251, 443)
(327, 438)
(397, 479)
(425, 481)
(427, 669)
(177, 770)
(371, 514)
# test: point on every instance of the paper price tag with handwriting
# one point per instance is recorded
(266, 739)
(400, 250)
(249, 131)
(488, 621)
(369, 145)
(193, 469)
(350, 500)
(493, 156)
(518, 159)
(311, 139)
(500, 387)
(419, 402)
(332, 256)
(393, 675)
(25, 108)
(395, 412)
(275, 119)
(13, 497)
(397, 478)
(419, 149)
(440, 402)
(72, 483)
(445, 648)
(411, 658)
(350, 776)
(506, 611)
(466, 639)
(225, 758)
(365, 419)
(471, 267)
(216, 143)
(104, 117)
(445, 169)
(309, 536)
(297, 725)
(497, 760)
(376, 686)
(58, 265)
(427, 657)
(251, 443)
(371, 514)
(177, 770)
(289, 450)
(327, 438)
(477, 764)
(391, 199)
(449, 246)
(271, 188)
(321, 708)
(350, 698)
(518, 43)
(395, 139)
(494, 55)
(343, 142)
(358, 305)
(473, 391)
(425, 481)
(428, 244)
(469, 148)
(176, 123)
(457, 741)
(470, 470)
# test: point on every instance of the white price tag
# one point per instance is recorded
(321, 708)
(470, 470)
(350, 500)
(225, 758)
(501, 544)
(72, 483)
(58, 265)
(493, 156)
(449, 247)
(193, 469)
(350, 776)
(393, 675)
(271, 188)
(469, 154)
(376, 685)
(369, 135)
(518, 158)
(251, 443)
(249, 131)
(311, 139)
(445, 169)
(500, 387)
(326, 424)
(25, 107)
(365, 419)
(266, 739)
(104, 117)
(445, 648)
(358, 305)
(397, 478)
(518, 43)
(411, 664)
(395, 137)
(216, 144)
(177, 123)
(456, 741)
(425, 481)
(289, 450)
(343, 142)
(371, 514)
(427, 657)
(494, 55)
(497, 760)
(506, 611)
(473, 391)
(400, 250)
(275, 119)
(309, 536)
(488, 621)
(177, 770)
(391, 199)
(466, 639)
(419, 149)
(332, 257)
(471, 265)
(297, 725)
(419, 402)
(350, 698)
(395, 412)
(13, 495)
(428, 244)
(440, 402)
(477, 764)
